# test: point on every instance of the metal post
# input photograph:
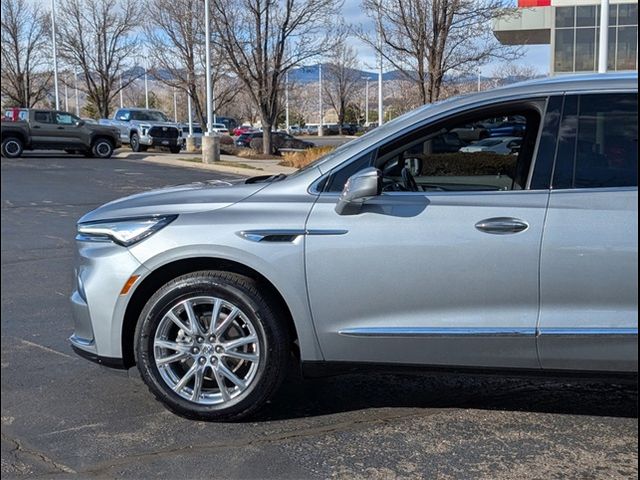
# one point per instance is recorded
(320, 133)
(55, 53)
(210, 141)
(146, 89)
(604, 37)
(207, 47)
(380, 106)
(66, 96)
(120, 86)
(175, 106)
(286, 100)
(75, 84)
(366, 101)
(190, 114)
(478, 80)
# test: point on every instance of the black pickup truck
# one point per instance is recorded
(54, 130)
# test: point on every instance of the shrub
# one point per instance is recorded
(301, 159)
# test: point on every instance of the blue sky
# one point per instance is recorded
(537, 56)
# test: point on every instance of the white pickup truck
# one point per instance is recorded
(142, 128)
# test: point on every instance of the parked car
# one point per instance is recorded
(142, 128)
(472, 132)
(294, 130)
(55, 130)
(197, 133)
(242, 130)
(368, 257)
(219, 128)
(280, 141)
(507, 129)
(500, 145)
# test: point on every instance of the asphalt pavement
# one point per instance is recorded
(64, 417)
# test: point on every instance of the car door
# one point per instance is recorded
(446, 276)
(44, 131)
(589, 264)
(70, 131)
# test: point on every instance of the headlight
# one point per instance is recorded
(125, 232)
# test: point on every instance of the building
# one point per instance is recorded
(572, 29)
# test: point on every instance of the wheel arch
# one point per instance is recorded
(163, 274)
(15, 134)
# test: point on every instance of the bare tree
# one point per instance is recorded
(428, 39)
(176, 38)
(342, 78)
(514, 72)
(25, 53)
(99, 36)
(263, 39)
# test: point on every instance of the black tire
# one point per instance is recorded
(175, 149)
(272, 334)
(102, 148)
(134, 142)
(12, 147)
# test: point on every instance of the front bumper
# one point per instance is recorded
(160, 142)
(98, 307)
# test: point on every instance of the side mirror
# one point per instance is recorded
(361, 186)
(80, 123)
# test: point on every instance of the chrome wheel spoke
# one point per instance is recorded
(171, 358)
(197, 385)
(175, 319)
(220, 329)
(231, 376)
(239, 342)
(250, 357)
(169, 345)
(185, 379)
(196, 327)
(221, 386)
(215, 313)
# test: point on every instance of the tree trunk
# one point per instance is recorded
(266, 136)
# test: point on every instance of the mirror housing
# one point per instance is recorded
(80, 123)
(361, 186)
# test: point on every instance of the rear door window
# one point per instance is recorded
(42, 117)
(598, 142)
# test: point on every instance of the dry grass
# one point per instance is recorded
(301, 159)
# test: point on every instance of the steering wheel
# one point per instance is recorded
(408, 181)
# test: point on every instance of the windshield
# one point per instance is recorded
(149, 116)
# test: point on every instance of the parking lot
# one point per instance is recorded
(64, 417)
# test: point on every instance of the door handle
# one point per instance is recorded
(35, 126)
(502, 225)
(60, 128)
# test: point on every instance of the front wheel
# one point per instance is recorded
(210, 346)
(102, 148)
(134, 142)
(175, 149)
(12, 147)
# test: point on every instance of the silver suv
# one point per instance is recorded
(142, 128)
(390, 250)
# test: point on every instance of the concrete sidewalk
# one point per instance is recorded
(227, 164)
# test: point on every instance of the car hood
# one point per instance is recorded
(189, 198)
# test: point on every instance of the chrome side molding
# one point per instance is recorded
(608, 332)
(436, 332)
(284, 236)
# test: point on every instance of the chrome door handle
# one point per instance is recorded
(502, 225)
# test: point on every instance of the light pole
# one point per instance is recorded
(320, 133)
(479, 79)
(66, 95)
(120, 92)
(210, 141)
(366, 100)
(380, 106)
(146, 89)
(55, 53)
(604, 37)
(175, 106)
(75, 85)
(286, 100)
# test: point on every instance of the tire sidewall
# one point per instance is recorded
(166, 298)
(135, 142)
(12, 141)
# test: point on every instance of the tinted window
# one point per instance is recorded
(123, 115)
(598, 142)
(42, 117)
